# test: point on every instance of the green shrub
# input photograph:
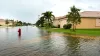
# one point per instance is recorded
(54, 26)
(67, 26)
(0, 25)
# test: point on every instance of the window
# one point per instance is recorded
(98, 22)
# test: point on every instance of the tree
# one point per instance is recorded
(25, 24)
(38, 23)
(48, 18)
(42, 21)
(13, 23)
(74, 17)
(19, 23)
(7, 22)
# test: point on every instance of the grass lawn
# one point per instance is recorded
(89, 32)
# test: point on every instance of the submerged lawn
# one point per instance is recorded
(90, 32)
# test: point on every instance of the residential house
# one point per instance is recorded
(60, 21)
(3, 22)
(89, 20)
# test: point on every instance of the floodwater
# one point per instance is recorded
(37, 42)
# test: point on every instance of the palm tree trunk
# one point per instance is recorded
(7, 25)
(73, 27)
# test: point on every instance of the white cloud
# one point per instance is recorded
(63, 6)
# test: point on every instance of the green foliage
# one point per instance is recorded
(74, 17)
(67, 26)
(7, 21)
(38, 23)
(0, 25)
(46, 19)
(13, 23)
(54, 26)
(25, 24)
(19, 23)
(86, 32)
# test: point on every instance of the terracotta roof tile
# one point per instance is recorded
(90, 14)
(84, 14)
(60, 17)
(2, 20)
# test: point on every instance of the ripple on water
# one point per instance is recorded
(37, 42)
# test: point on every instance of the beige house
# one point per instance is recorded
(89, 20)
(3, 22)
(60, 21)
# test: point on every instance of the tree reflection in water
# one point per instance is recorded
(73, 46)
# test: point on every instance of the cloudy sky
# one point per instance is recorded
(28, 10)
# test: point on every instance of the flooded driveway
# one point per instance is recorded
(37, 42)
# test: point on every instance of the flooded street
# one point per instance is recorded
(37, 42)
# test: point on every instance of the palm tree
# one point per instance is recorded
(13, 23)
(48, 17)
(42, 21)
(7, 22)
(38, 23)
(74, 17)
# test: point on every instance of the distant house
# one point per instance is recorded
(3, 22)
(89, 20)
(60, 21)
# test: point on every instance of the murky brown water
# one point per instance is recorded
(36, 42)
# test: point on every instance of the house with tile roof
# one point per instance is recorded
(60, 21)
(89, 20)
(2, 22)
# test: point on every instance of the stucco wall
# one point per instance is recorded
(60, 22)
(2, 23)
(56, 23)
(63, 22)
(98, 22)
(88, 23)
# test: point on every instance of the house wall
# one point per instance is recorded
(60, 22)
(97, 22)
(63, 22)
(2, 23)
(88, 23)
(56, 23)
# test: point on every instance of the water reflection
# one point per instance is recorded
(38, 42)
(7, 30)
(19, 38)
(73, 46)
(45, 45)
